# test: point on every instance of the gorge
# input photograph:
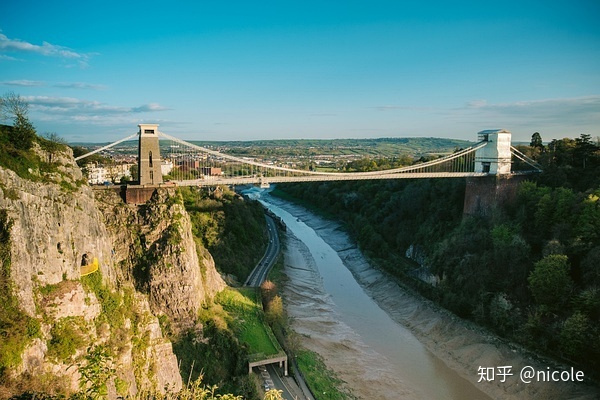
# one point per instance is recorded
(149, 304)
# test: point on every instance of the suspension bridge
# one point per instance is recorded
(194, 165)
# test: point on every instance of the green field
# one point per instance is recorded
(319, 378)
(247, 319)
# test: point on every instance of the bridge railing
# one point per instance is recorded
(456, 162)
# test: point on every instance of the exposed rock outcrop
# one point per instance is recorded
(148, 267)
(157, 253)
(53, 228)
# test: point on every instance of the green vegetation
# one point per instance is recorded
(320, 379)
(13, 106)
(94, 158)
(216, 355)
(17, 142)
(273, 306)
(25, 162)
(246, 318)
(530, 271)
(194, 390)
(95, 373)
(233, 330)
(114, 307)
(230, 228)
(373, 148)
(67, 337)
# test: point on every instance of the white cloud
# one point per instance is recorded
(9, 58)
(402, 108)
(78, 110)
(587, 107)
(23, 82)
(477, 103)
(391, 108)
(45, 49)
(152, 107)
(553, 117)
(62, 85)
(80, 85)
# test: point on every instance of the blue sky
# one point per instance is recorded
(245, 70)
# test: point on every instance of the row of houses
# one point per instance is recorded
(99, 174)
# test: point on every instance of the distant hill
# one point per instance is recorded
(381, 147)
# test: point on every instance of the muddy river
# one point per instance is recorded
(383, 342)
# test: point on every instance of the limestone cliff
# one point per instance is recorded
(156, 252)
(54, 226)
(148, 267)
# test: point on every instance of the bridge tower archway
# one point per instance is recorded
(495, 157)
(149, 170)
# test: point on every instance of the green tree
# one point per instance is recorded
(574, 336)
(275, 310)
(536, 140)
(550, 282)
(584, 150)
(587, 227)
(13, 106)
(133, 170)
(95, 372)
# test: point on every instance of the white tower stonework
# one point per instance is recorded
(495, 157)
(149, 170)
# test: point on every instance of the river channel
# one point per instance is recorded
(377, 357)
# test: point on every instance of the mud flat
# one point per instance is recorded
(365, 358)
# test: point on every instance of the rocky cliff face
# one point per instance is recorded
(54, 226)
(155, 250)
(148, 267)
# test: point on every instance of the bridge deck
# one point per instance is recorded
(214, 181)
(460, 164)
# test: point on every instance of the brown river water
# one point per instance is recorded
(383, 341)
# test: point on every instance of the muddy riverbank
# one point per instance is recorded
(373, 372)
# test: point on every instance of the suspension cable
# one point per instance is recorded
(105, 147)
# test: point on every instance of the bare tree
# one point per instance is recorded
(53, 144)
(13, 106)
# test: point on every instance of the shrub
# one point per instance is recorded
(66, 339)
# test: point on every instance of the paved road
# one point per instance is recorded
(290, 388)
(291, 391)
(260, 272)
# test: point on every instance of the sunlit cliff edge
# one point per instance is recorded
(57, 323)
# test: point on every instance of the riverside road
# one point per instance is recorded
(288, 385)
(260, 272)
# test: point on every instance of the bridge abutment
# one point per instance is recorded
(484, 194)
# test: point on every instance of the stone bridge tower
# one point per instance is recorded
(149, 170)
(494, 158)
(484, 194)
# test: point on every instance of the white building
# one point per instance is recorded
(98, 174)
(166, 166)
